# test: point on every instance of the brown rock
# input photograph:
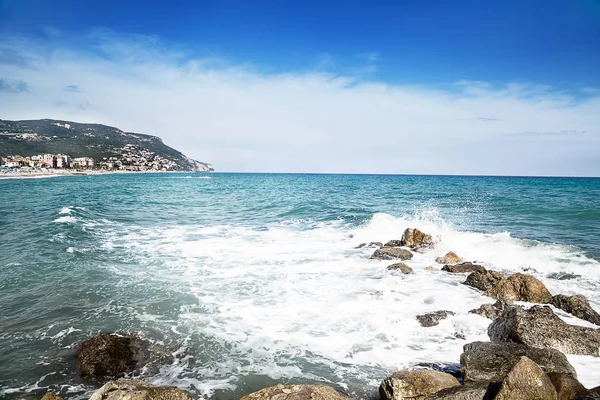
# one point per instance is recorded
(578, 306)
(434, 318)
(430, 268)
(540, 327)
(483, 280)
(51, 396)
(295, 392)
(492, 311)
(134, 389)
(415, 385)
(392, 253)
(520, 287)
(449, 258)
(415, 238)
(566, 386)
(526, 381)
(405, 269)
(465, 267)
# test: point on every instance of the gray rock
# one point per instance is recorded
(526, 381)
(540, 327)
(405, 269)
(490, 362)
(471, 391)
(295, 392)
(463, 268)
(392, 253)
(520, 287)
(491, 311)
(415, 385)
(393, 243)
(370, 245)
(563, 276)
(578, 306)
(483, 280)
(414, 238)
(434, 318)
(134, 389)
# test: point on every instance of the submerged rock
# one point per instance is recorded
(434, 318)
(393, 243)
(414, 238)
(483, 280)
(449, 258)
(51, 396)
(465, 267)
(295, 392)
(492, 311)
(526, 381)
(520, 287)
(415, 385)
(566, 386)
(134, 389)
(392, 253)
(405, 269)
(540, 327)
(578, 306)
(563, 276)
(369, 245)
(491, 361)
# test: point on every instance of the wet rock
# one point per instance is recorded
(106, 356)
(392, 253)
(414, 238)
(491, 362)
(472, 391)
(540, 327)
(370, 245)
(405, 269)
(295, 392)
(526, 381)
(134, 389)
(566, 386)
(51, 396)
(465, 267)
(520, 287)
(563, 276)
(434, 318)
(430, 268)
(578, 306)
(393, 243)
(415, 385)
(483, 280)
(449, 258)
(452, 369)
(492, 311)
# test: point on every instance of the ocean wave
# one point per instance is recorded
(68, 219)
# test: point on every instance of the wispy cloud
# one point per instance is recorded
(72, 88)
(13, 86)
(242, 119)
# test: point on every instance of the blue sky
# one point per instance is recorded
(482, 62)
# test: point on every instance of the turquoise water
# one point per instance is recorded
(253, 279)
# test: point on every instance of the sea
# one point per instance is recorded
(251, 280)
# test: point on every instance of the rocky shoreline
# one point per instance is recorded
(524, 359)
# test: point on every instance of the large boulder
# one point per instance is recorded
(566, 386)
(490, 362)
(540, 327)
(520, 287)
(134, 389)
(295, 392)
(578, 306)
(526, 381)
(433, 318)
(472, 391)
(392, 253)
(405, 269)
(449, 258)
(414, 238)
(415, 385)
(483, 280)
(463, 268)
(106, 356)
(491, 311)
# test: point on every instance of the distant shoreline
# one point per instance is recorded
(35, 175)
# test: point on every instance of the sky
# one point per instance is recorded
(406, 86)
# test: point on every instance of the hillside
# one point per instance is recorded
(28, 138)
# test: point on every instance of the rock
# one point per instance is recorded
(372, 244)
(449, 258)
(295, 392)
(430, 268)
(465, 267)
(472, 391)
(111, 355)
(491, 311)
(405, 269)
(392, 253)
(415, 238)
(526, 381)
(595, 391)
(393, 243)
(134, 389)
(578, 306)
(452, 369)
(490, 362)
(566, 386)
(483, 280)
(520, 287)
(51, 396)
(563, 276)
(415, 385)
(540, 327)
(434, 318)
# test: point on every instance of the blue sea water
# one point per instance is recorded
(255, 279)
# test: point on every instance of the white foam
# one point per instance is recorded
(65, 210)
(67, 219)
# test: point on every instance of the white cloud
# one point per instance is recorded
(240, 119)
